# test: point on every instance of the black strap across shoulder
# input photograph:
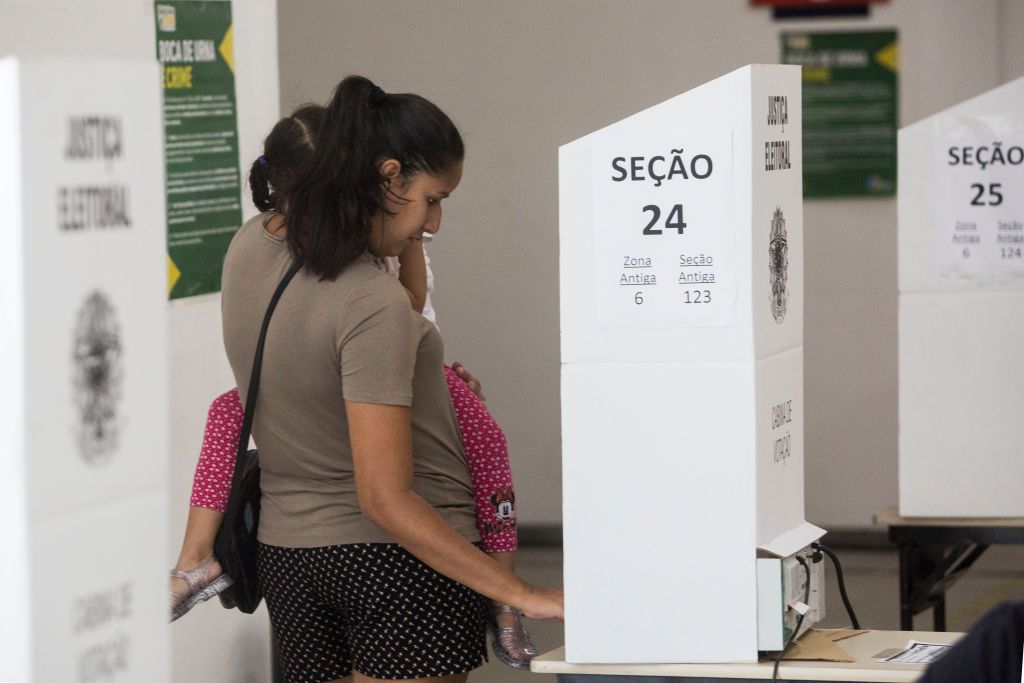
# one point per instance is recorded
(254, 377)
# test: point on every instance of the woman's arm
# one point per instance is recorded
(413, 274)
(381, 437)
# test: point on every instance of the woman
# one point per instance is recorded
(287, 154)
(367, 526)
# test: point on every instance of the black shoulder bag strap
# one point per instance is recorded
(236, 545)
(254, 380)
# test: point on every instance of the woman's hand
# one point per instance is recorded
(544, 603)
(471, 381)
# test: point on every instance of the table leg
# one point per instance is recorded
(939, 614)
(906, 586)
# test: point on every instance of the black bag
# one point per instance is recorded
(236, 545)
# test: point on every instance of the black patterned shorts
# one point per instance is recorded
(373, 607)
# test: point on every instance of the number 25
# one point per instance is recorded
(994, 193)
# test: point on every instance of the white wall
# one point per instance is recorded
(211, 644)
(524, 77)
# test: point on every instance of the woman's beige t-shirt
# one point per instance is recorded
(357, 339)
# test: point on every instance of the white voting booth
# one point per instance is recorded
(961, 309)
(681, 255)
(83, 386)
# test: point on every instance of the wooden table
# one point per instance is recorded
(935, 553)
(863, 648)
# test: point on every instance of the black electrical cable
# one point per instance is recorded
(842, 583)
(799, 621)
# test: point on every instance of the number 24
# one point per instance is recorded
(673, 222)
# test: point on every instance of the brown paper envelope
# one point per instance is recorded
(816, 645)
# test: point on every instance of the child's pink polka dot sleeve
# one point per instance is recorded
(487, 457)
(216, 466)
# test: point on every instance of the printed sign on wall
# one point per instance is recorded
(851, 110)
(663, 226)
(979, 212)
(204, 209)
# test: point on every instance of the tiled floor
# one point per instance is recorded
(871, 578)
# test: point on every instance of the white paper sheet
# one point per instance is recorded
(918, 653)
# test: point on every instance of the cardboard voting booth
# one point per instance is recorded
(681, 257)
(83, 386)
(961, 309)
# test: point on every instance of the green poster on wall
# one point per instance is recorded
(850, 110)
(204, 208)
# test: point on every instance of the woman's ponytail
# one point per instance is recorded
(330, 208)
(341, 185)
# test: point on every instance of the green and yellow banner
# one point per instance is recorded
(203, 181)
(850, 110)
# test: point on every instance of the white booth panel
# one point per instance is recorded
(106, 619)
(623, 197)
(780, 444)
(682, 406)
(94, 131)
(618, 194)
(961, 405)
(15, 640)
(961, 280)
(659, 507)
(927, 207)
(777, 213)
(83, 384)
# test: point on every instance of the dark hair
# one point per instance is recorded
(287, 156)
(330, 207)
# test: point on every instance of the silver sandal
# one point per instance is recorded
(200, 590)
(511, 644)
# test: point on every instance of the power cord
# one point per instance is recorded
(799, 621)
(842, 583)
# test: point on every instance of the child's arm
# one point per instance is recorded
(413, 274)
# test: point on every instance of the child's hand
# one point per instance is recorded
(470, 381)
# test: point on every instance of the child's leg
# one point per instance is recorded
(487, 458)
(507, 560)
(197, 563)
(200, 533)
(210, 489)
(512, 644)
